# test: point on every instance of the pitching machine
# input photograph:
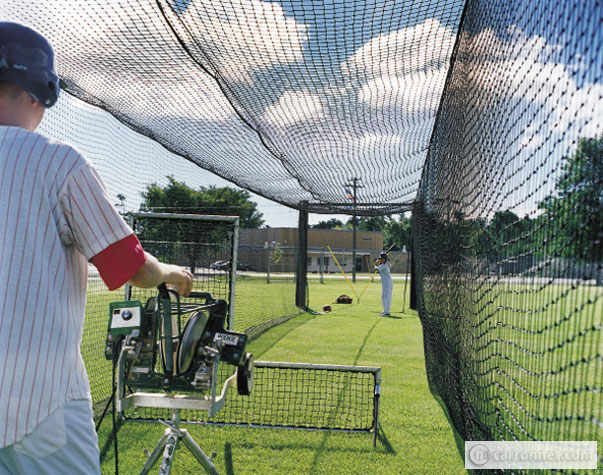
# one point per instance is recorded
(167, 354)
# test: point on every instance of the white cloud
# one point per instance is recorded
(241, 37)
(389, 163)
(376, 122)
(107, 45)
(528, 70)
(582, 110)
(523, 69)
(294, 107)
(373, 139)
(427, 45)
(414, 94)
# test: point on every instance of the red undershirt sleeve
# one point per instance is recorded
(119, 262)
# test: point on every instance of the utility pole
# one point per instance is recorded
(355, 187)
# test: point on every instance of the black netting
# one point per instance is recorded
(203, 246)
(485, 114)
(290, 396)
(509, 226)
(287, 99)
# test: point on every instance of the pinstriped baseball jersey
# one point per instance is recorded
(56, 217)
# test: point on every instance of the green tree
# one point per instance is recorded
(332, 223)
(121, 204)
(277, 253)
(398, 232)
(501, 231)
(573, 215)
(178, 197)
(505, 235)
(368, 223)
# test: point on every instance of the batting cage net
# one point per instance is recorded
(484, 116)
(509, 226)
(290, 100)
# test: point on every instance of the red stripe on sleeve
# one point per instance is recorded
(119, 262)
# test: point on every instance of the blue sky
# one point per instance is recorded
(551, 70)
(128, 161)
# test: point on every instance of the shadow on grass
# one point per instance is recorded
(108, 445)
(368, 449)
(381, 437)
(458, 439)
(364, 342)
(404, 316)
(384, 447)
(228, 458)
(274, 335)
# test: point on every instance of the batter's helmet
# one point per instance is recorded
(27, 60)
(383, 255)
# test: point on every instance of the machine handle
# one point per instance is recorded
(166, 320)
(163, 291)
(200, 295)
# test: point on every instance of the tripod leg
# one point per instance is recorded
(152, 460)
(168, 454)
(198, 452)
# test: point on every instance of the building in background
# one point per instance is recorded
(257, 246)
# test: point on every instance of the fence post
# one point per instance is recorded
(322, 264)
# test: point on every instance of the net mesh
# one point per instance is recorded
(508, 226)
(311, 397)
(486, 114)
(204, 245)
(287, 99)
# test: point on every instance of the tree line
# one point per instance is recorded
(568, 223)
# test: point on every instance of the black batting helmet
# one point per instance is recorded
(27, 60)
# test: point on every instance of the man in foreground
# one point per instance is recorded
(56, 217)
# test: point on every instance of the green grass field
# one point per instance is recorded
(538, 329)
(533, 356)
(415, 436)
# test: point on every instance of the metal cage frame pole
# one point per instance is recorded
(233, 273)
(301, 272)
(234, 220)
(376, 404)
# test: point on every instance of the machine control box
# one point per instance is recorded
(125, 318)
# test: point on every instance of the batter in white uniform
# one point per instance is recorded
(387, 284)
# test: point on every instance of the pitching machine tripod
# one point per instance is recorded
(168, 444)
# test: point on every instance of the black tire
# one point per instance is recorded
(245, 375)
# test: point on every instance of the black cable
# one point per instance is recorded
(104, 413)
(114, 386)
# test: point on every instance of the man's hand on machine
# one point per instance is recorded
(180, 280)
(152, 273)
